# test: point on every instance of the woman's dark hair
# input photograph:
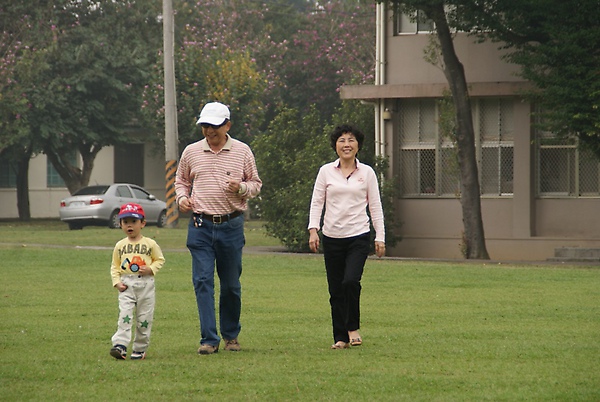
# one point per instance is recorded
(346, 129)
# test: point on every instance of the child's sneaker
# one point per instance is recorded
(138, 356)
(119, 352)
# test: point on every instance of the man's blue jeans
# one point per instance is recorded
(221, 243)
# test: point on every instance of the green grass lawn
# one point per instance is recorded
(55, 232)
(432, 331)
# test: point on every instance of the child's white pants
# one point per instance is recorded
(138, 299)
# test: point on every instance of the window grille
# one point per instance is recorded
(589, 175)
(428, 161)
(564, 170)
(449, 173)
(496, 134)
(418, 147)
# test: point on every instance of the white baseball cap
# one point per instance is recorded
(214, 113)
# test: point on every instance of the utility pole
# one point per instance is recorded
(171, 136)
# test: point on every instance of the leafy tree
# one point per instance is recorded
(556, 44)
(206, 75)
(301, 74)
(288, 157)
(90, 60)
(238, 31)
(13, 105)
(98, 65)
(22, 52)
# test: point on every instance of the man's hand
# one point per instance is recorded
(184, 204)
(234, 185)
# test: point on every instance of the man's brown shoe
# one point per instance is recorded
(207, 349)
(232, 345)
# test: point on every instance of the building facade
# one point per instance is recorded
(538, 192)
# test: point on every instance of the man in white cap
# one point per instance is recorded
(215, 178)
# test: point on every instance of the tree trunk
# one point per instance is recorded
(474, 237)
(23, 207)
(73, 176)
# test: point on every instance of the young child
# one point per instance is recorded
(135, 261)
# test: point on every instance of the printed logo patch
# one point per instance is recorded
(136, 263)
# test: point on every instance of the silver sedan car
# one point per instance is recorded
(100, 205)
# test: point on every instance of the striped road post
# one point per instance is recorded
(172, 211)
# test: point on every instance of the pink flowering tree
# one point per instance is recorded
(292, 53)
(205, 75)
(223, 53)
(335, 47)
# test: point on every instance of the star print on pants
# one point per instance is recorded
(127, 319)
(144, 324)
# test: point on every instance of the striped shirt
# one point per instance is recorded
(345, 200)
(203, 174)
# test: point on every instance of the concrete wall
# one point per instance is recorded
(432, 228)
(481, 61)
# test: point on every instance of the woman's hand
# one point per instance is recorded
(379, 249)
(313, 241)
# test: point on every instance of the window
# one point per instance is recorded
(92, 190)
(53, 179)
(496, 133)
(129, 164)
(124, 191)
(564, 170)
(419, 146)
(428, 163)
(410, 23)
(8, 174)
(140, 194)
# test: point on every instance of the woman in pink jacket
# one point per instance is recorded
(345, 188)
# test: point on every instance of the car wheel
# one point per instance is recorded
(162, 219)
(114, 222)
(75, 226)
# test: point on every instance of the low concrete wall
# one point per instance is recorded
(531, 249)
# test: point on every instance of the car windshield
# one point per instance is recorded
(92, 190)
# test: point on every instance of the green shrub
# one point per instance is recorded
(288, 156)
